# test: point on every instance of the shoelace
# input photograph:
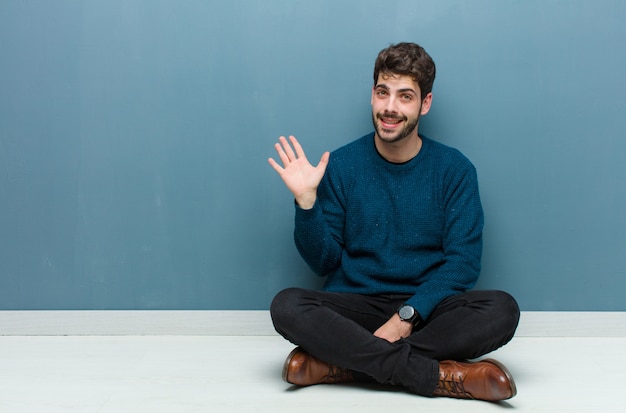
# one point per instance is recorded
(336, 374)
(453, 386)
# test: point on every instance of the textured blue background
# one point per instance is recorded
(134, 136)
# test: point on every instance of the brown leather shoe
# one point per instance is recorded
(484, 380)
(302, 369)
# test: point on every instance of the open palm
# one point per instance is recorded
(301, 178)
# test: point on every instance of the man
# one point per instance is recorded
(394, 221)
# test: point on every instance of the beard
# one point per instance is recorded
(387, 135)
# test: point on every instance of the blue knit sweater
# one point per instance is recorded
(379, 227)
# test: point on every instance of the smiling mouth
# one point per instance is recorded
(390, 122)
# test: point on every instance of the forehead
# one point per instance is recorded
(394, 81)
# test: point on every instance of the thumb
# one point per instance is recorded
(324, 160)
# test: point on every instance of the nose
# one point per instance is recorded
(391, 105)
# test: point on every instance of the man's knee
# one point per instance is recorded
(507, 309)
(284, 306)
(280, 302)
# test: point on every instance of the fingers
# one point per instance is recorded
(297, 147)
(281, 153)
(286, 152)
(287, 148)
(275, 165)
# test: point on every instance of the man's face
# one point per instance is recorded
(397, 106)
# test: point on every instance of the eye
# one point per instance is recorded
(381, 92)
(407, 97)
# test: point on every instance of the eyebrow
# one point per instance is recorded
(407, 90)
(404, 90)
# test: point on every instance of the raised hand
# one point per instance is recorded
(301, 178)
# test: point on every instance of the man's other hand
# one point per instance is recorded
(394, 329)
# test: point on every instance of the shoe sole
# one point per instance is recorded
(506, 372)
(288, 362)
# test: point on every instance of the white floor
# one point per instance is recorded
(243, 374)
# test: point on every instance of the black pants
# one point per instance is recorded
(338, 327)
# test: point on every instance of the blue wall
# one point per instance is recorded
(134, 136)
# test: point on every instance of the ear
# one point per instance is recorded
(426, 102)
(372, 98)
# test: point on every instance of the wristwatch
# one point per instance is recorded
(408, 313)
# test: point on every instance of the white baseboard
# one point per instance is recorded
(258, 323)
(136, 322)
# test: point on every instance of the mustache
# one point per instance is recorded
(388, 115)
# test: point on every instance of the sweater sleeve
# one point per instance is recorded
(461, 243)
(318, 232)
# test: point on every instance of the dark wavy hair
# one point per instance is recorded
(407, 59)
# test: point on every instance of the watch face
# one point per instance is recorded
(406, 312)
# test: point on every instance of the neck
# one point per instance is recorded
(401, 151)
